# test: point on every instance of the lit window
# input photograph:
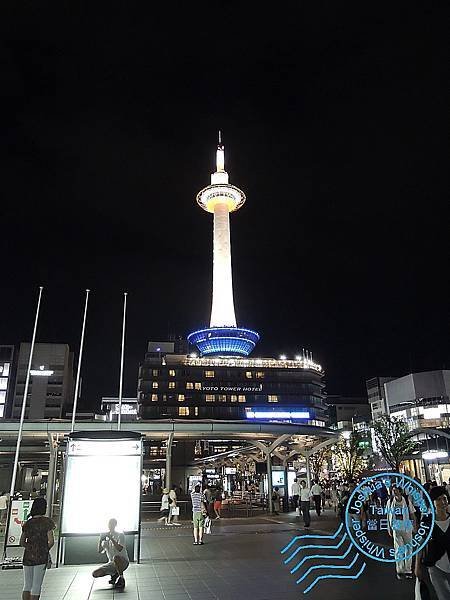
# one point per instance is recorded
(154, 385)
(154, 397)
(172, 372)
(171, 385)
(241, 398)
(259, 374)
(209, 398)
(196, 411)
(233, 398)
(272, 398)
(155, 372)
(248, 374)
(183, 411)
(198, 386)
(209, 373)
(222, 398)
(181, 397)
(189, 385)
(164, 397)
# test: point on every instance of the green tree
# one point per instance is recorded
(349, 457)
(318, 460)
(393, 440)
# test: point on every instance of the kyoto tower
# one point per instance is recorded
(223, 337)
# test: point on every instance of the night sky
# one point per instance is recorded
(334, 123)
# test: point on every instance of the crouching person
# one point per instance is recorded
(113, 543)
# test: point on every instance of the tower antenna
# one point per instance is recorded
(220, 137)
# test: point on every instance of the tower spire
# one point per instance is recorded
(220, 156)
(223, 337)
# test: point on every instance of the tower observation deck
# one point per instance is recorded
(223, 337)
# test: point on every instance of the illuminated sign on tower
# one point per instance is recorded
(223, 337)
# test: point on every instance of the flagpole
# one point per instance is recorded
(119, 418)
(77, 382)
(25, 394)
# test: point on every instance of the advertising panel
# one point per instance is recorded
(103, 481)
(20, 509)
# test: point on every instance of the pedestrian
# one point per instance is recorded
(165, 507)
(316, 492)
(207, 498)
(217, 502)
(174, 509)
(436, 555)
(401, 518)
(305, 499)
(276, 500)
(446, 487)
(198, 515)
(37, 539)
(3, 507)
(343, 496)
(383, 495)
(295, 493)
(113, 543)
(334, 497)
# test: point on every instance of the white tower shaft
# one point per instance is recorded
(222, 312)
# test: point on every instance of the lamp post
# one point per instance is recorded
(77, 383)
(119, 417)
(25, 394)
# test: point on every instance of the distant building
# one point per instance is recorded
(110, 409)
(422, 399)
(50, 392)
(6, 370)
(177, 385)
(377, 396)
(348, 412)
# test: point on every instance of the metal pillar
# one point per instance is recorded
(286, 489)
(269, 483)
(308, 472)
(51, 475)
(169, 460)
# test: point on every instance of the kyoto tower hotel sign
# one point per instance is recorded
(223, 337)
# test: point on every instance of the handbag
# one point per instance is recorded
(175, 511)
(421, 591)
(207, 525)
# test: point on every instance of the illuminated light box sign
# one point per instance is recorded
(102, 481)
(277, 414)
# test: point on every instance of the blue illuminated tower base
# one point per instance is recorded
(224, 341)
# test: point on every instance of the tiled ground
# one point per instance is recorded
(240, 560)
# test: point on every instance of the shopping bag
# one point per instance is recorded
(175, 511)
(421, 591)
(207, 525)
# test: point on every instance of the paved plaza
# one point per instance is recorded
(240, 560)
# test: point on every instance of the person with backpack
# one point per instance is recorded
(173, 514)
(436, 555)
(37, 539)
(217, 502)
(165, 507)
(198, 515)
(276, 500)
